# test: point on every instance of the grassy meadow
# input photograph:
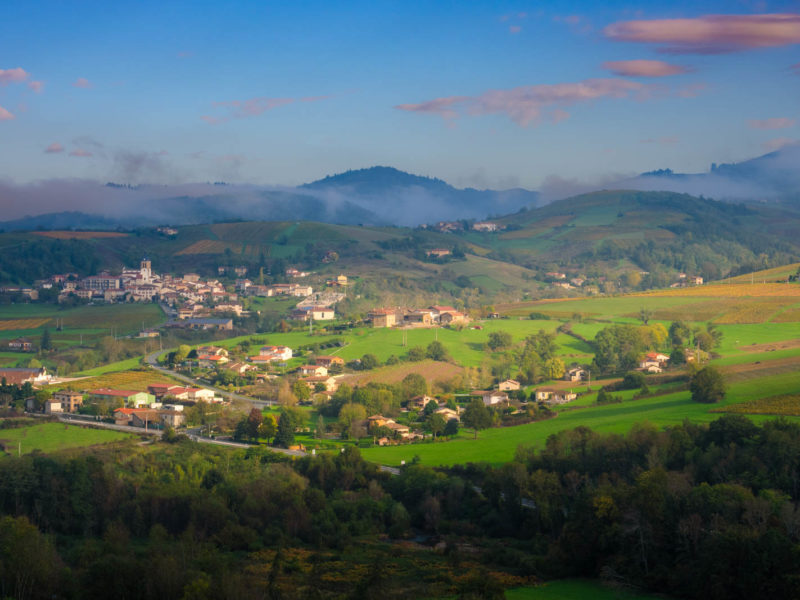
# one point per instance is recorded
(50, 437)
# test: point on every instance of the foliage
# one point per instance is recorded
(707, 385)
(477, 416)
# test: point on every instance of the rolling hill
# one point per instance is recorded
(613, 240)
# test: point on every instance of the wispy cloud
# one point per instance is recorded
(80, 153)
(13, 75)
(795, 68)
(529, 105)
(82, 82)
(776, 123)
(514, 29)
(711, 34)
(778, 143)
(577, 23)
(644, 68)
(36, 86)
(242, 109)
(5, 115)
(185, 54)
(54, 148)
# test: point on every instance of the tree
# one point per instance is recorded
(477, 416)
(554, 368)
(416, 354)
(677, 357)
(499, 340)
(436, 424)
(268, 427)
(645, 314)
(254, 419)
(181, 354)
(46, 343)
(707, 385)
(437, 351)
(413, 385)
(300, 390)
(285, 395)
(351, 418)
(369, 361)
(451, 428)
(679, 334)
(284, 436)
(320, 429)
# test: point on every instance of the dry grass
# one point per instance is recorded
(760, 369)
(123, 380)
(733, 290)
(752, 312)
(13, 324)
(429, 369)
(783, 405)
(206, 247)
(790, 315)
(771, 347)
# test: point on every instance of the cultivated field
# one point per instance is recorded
(80, 235)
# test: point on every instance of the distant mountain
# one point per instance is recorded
(374, 196)
(773, 177)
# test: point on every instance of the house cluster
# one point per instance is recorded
(686, 281)
(653, 362)
(318, 376)
(143, 285)
(161, 405)
(20, 345)
(29, 293)
(272, 354)
(248, 288)
(419, 317)
(438, 252)
(561, 280)
(486, 226)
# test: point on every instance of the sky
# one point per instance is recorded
(480, 94)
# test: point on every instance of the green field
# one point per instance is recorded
(573, 589)
(49, 437)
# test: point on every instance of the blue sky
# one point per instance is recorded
(479, 94)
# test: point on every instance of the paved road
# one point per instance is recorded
(152, 360)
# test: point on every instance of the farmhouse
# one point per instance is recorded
(484, 226)
(327, 381)
(131, 398)
(313, 370)
(159, 390)
(575, 374)
(239, 368)
(493, 397)
(438, 252)
(509, 385)
(449, 318)
(554, 396)
(329, 361)
(275, 353)
(420, 402)
(383, 317)
(20, 376)
(21, 345)
(448, 414)
(419, 317)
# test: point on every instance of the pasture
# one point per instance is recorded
(50, 437)
(573, 589)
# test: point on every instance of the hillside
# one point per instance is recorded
(613, 240)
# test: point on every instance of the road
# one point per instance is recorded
(152, 360)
